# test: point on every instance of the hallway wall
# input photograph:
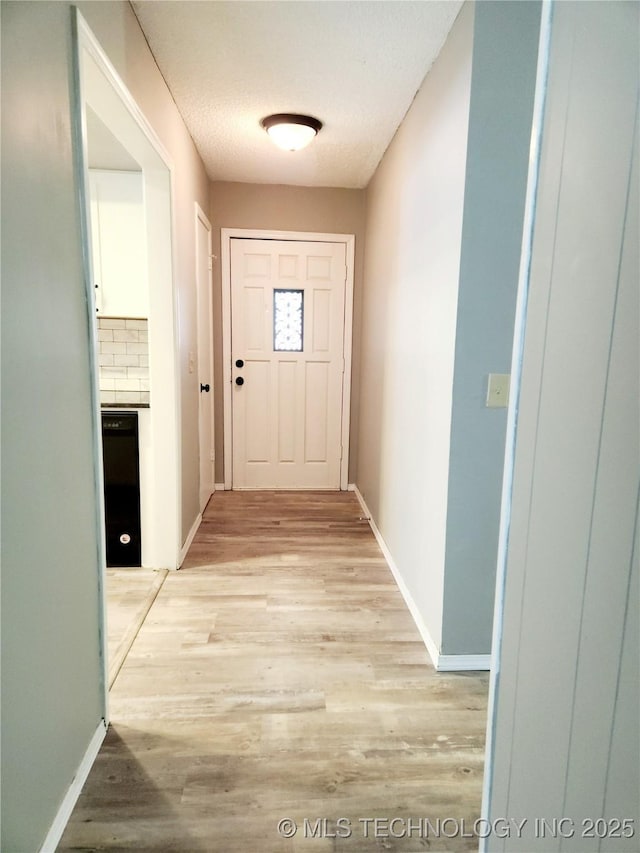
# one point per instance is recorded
(444, 223)
(286, 208)
(505, 49)
(415, 206)
(52, 699)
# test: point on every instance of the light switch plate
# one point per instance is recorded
(498, 390)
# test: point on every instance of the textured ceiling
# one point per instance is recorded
(354, 64)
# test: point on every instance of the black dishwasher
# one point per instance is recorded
(121, 487)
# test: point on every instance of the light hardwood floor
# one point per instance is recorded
(280, 675)
(130, 594)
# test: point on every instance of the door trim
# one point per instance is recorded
(96, 83)
(201, 217)
(226, 235)
(100, 87)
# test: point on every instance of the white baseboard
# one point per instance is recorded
(408, 598)
(71, 797)
(463, 663)
(442, 663)
(219, 487)
(191, 536)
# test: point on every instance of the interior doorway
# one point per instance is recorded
(108, 119)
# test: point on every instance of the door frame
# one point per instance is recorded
(101, 88)
(96, 83)
(201, 217)
(228, 234)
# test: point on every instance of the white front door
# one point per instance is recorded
(205, 355)
(287, 350)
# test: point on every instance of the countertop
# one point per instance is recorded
(123, 406)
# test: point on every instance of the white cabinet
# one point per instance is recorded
(119, 243)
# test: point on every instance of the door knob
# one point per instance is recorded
(239, 362)
(239, 380)
(206, 387)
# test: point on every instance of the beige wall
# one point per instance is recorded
(116, 28)
(412, 262)
(286, 208)
(444, 221)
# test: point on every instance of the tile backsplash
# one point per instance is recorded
(123, 359)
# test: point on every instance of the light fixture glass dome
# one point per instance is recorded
(290, 131)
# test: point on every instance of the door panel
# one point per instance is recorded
(321, 333)
(316, 412)
(257, 410)
(255, 329)
(287, 413)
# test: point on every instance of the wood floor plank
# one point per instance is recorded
(280, 675)
(130, 595)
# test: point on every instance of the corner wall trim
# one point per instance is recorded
(71, 797)
(463, 663)
(442, 663)
(190, 537)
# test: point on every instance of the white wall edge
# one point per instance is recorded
(190, 537)
(432, 648)
(520, 322)
(71, 797)
(463, 663)
(81, 176)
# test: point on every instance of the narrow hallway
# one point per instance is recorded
(279, 675)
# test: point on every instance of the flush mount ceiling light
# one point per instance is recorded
(291, 131)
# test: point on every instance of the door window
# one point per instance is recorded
(288, 320)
